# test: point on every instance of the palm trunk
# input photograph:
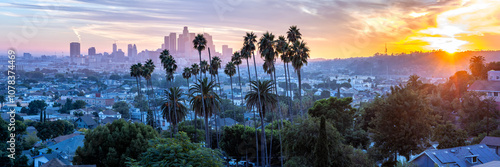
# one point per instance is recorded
(156, 104)
(239, 80)
(291, 92)
(207, 140)
(255, 124)
(263, 156)
(213, 102)
(241, 104)
(281, 117)
(300, 93)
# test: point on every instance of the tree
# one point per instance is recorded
(320, 151)
(186, 74)
(122, 108)
(299, 59)
(79, 104)
(147, 70)
(337, 111)
(402, 123)
(477, 67)
(19, 129)
(2, 100)
(50, 130)
(199, 43)
(458, 83)
(169, 64)
(173, 109)
(204, 101)
(115, 77)
(38, 106)
(236, 59)
(112, 144)
(178, 151)
(261, 90)
(230, 71)
(324, 94)
(301, 138)
(448, 136)
(476, 113)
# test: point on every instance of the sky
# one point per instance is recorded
(331, 28)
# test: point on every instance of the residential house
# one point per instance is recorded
(109, 113)
(86, 122)
(67, 146)
(108, 120)
(491, 86)
(40, 160)
(464, 156)
(493, 143)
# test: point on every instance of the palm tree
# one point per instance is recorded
(204, 67)
(204, 100)
(249, 46)
(215, 64)
(236, 59)
(186, 74)
(293, 34)
(172, 109)
(199, 44)
(262, 98)
(266, 50)
(230, 71)
(195, 69)
(281, 47)
(136, 71)
(299, 59)
(148, 69)
(169, 64)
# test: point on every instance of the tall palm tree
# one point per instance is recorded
(147, 70)
(230, 71)
(173, 109)
(293, 34)
(281, 48)
(204, 100)
(170, 65)
(199, 44)
(215, 64)
(267, 49)
(195, 70)
(249, 44)
(136, 71)
(299, 59)
(236, 59)
(262, 98)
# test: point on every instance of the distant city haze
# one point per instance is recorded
(332, 29)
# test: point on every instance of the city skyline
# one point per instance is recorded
(333, 29)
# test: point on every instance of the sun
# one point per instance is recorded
(448, 44)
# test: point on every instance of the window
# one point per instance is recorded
(474, 159)
(490, 93)
(495, 94)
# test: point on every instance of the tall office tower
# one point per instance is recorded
(74, 49)
(114, 48)
(210, 43)
(182, 41)
(91, 51)
(166, 42)
(129, 50)
(226, 51)
(134, 51)
(173, 38)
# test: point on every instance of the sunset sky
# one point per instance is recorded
(331, 28)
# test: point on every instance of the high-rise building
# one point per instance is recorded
(210, 43)
(226, 51)
(166, 42)
(130, 50)
(74, 49)
(114, 48)
(173, 38)
(134, 51)
(27, 55)
(182, 41)
(91, 51)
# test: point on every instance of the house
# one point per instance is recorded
(464, 156)
(491, 86)
(109, 113)
(490, 164)
(108, 120)
(493, 143)
(86, 122)
(40, 160)
(67, 147)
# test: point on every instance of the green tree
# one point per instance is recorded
(301, 138)
(173, 109)
(448, 136)
(19, 129)
(320, 151)
(115, 77)
(476, 114)
(122, 108)
(402, 123)
(324, 94)
(50, 130)
(299, 59)
(38, 106)
(230, 71)
(178, 151)
(113, 144)
(79, 104)
(204, 101)
(199, 43)
(477, 67)
(338, 111)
